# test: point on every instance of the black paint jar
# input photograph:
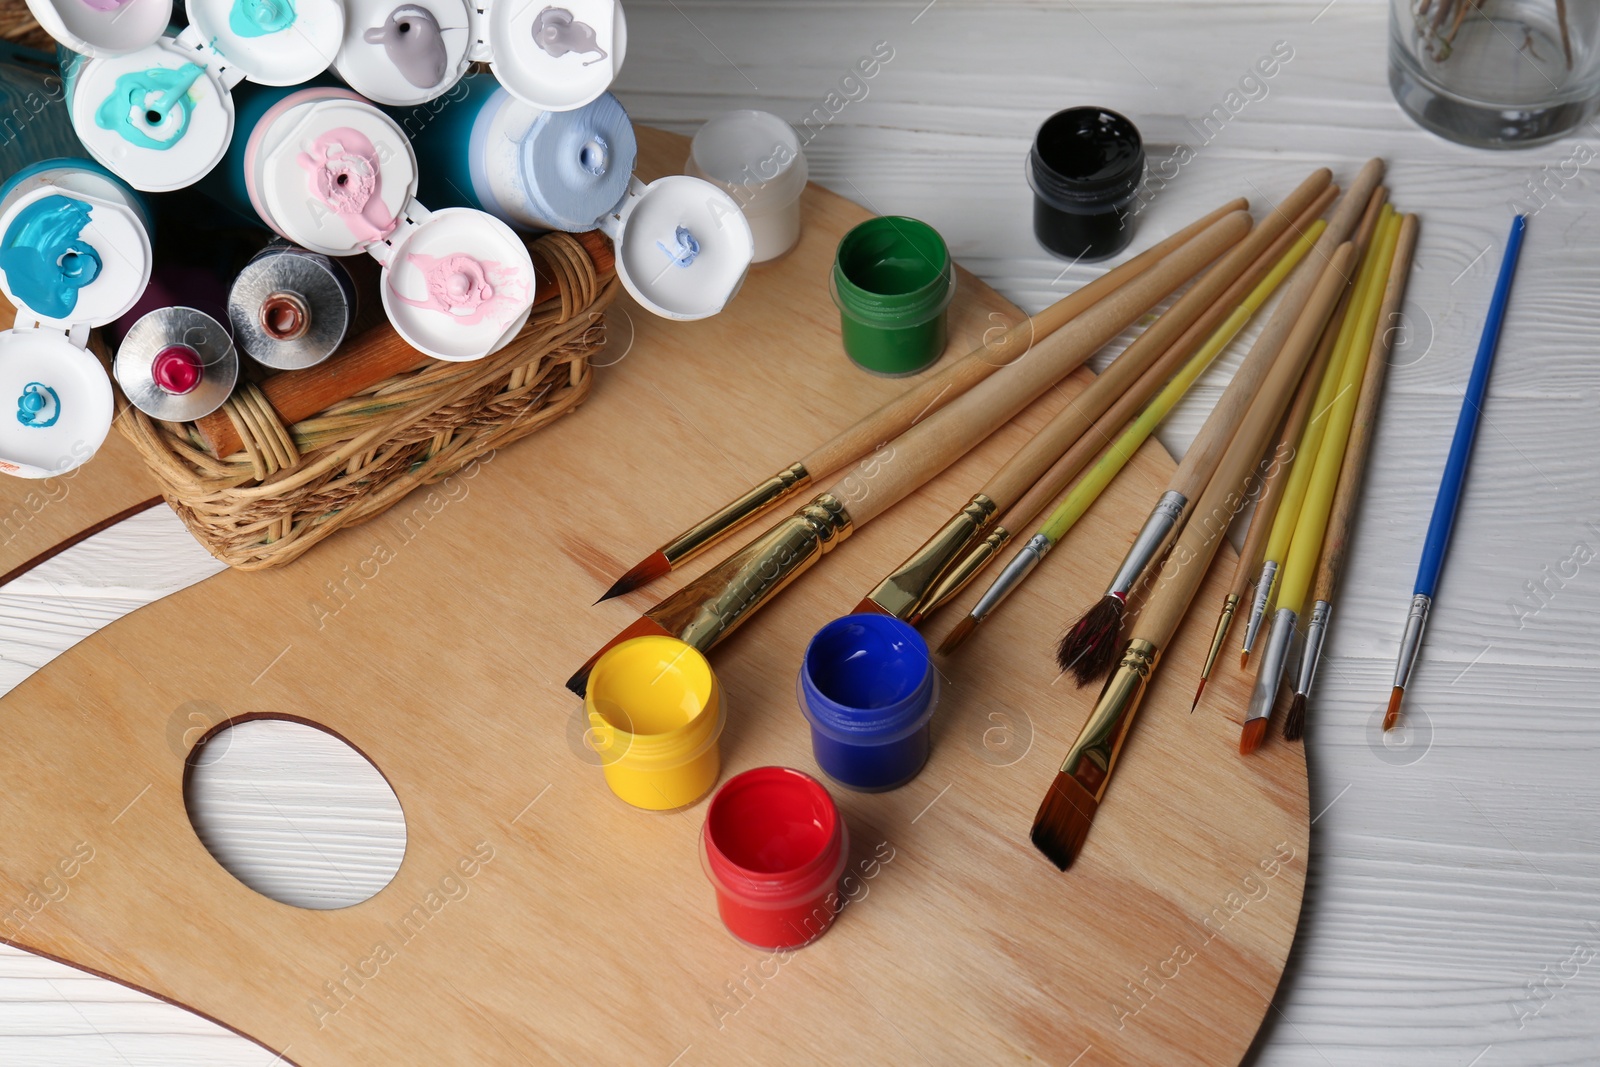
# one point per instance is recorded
(1085, 168)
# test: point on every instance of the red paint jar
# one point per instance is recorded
(774, 845)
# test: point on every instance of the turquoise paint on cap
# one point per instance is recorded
(893, 282)
(44, 257)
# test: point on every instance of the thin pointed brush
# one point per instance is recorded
(1455, 475)
(1342, 517)
(1067, 812)
(1088, 647)
(1088, 490)
(1334, 349)
(909, 591)
(901, 413)
(712, 606)
(1300, 562)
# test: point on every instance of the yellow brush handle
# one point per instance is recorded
(1301, 565)
(1310, 444)
(1071, 509)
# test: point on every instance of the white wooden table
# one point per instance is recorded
(1453, 911)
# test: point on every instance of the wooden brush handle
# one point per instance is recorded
(906, 463)
(1206, 451)
(1061, 473)
(1254, 549)
(1359, 447)
(1197, 312)
(362, 363)
(1186, 565)
(895, 417)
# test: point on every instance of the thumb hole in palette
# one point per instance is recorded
(294, 812)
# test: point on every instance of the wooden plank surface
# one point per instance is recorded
(435, 640)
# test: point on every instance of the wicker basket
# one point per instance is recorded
(292, 485)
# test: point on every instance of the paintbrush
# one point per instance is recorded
(1261, 520)
(1069, 806)
(1337, 338)
(1088, 646)
(1067, 513)
(1455, 475)
(1342, 516)
(715, 604)
(902, 412)
(907, 592)
(1300, 562)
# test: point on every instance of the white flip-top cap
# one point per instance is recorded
(152, 117)
(333, 175)
(103, 27)
(404, 53)
(73, 250)
(273, 42)
(55, 403)
(555, 56)
(458, 285)
(683, 246)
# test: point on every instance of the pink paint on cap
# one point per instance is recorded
(177, 369)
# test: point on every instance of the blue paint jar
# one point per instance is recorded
(868, 688)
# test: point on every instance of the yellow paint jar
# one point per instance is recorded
(655, 714)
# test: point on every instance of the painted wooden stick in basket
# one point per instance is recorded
(369, 359)
(900, 413)
(714, 605)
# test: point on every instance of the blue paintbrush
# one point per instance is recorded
(1455, 474)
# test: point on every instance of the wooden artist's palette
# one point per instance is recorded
(535, 918)
(37, 518)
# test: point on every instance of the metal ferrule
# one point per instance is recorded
(901, 592)
(1167, 512)
(712, 606)
(960, 576)
(1316, 632)
(1094, 753)
(1411, 642)
(1273, 660)
(1258, 606)
(1224, 621)
(714, 527)
(1021, 565)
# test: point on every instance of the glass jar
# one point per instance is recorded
(1496, 73)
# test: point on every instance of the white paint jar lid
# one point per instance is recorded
(114, 231)
(295, 41)
(103, 27)
(314, 153)
(55, 403)
(458, 285)
(556, 56)
(755, 157)
(425, 37)
(682, 246)
(195, 131)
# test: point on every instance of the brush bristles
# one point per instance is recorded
(642, 574)
(962, 631)
(1197, 693)
(1088, 648)
(868, 606)
(1294, 723)
(1392, 716)
(1244, 659)
(1250, 738)
(1062, 824)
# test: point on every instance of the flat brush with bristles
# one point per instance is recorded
(1062, 824)
(1088, 647)
(1455, 475)
(1342, 517)
(1241, 300)
(1305, 548)
(715, 604)
(901, 413)
(908, 592)
(1275, 479)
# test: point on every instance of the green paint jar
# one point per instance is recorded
(893, 281)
